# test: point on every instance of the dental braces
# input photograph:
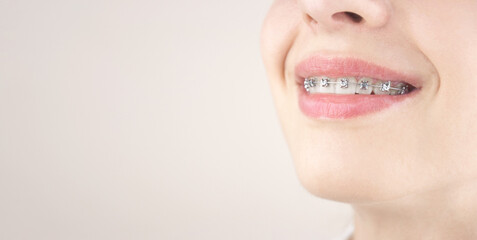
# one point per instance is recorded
(363, 85)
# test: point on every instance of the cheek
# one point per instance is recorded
(278, 34)
(450, 46)
(279, 30)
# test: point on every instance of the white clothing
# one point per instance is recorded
(346, 234)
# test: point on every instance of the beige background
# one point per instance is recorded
(129, 119)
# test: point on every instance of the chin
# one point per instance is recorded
(346, 188)
(350, 176)
(324, 178)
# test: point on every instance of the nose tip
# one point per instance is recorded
(336, 13)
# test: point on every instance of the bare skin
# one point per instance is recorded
(409, 172)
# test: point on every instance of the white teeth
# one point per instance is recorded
(365, 86)
(403, 89)
(349, 85)
(382, 88)
(346, 85)
(326, 85)
(310, 84)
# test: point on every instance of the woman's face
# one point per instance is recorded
(362, 148)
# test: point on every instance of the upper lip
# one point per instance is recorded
(319, 65)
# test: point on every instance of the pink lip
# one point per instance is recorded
(335, 106)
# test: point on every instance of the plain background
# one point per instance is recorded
(145, 119)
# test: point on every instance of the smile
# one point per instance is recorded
(349, 85)
(343, 88)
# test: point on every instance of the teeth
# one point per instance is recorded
(401, 86)
(326, 85)
(349, 85)
(365, 86)
(346, 85)
(382, 88)
(311, 85)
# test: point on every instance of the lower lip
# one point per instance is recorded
(335, 106)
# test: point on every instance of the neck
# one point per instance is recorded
(446, 213)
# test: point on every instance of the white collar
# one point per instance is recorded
(346, 234)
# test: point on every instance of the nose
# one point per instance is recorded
(333, 14)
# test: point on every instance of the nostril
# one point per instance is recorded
(354, 17)
(347, 16)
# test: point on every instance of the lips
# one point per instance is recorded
(338, 106)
